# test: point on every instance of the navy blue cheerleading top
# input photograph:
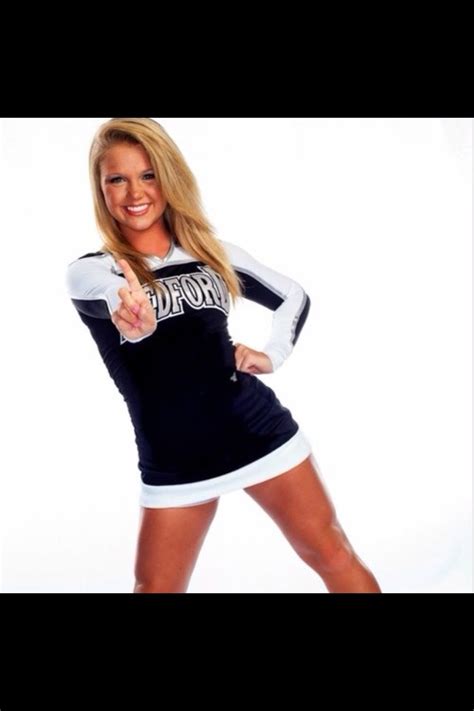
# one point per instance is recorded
(196, 418)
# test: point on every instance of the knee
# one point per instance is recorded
(160, 579)
(157, 579)
(328, 550)
(157, 586)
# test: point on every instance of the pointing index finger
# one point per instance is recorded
(130, 275)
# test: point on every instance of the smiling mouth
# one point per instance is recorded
(136, 210)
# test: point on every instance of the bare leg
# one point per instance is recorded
(300, 505)
(169, 542)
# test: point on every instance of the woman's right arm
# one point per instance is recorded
(97, 291)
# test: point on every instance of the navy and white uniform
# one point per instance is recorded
(202, 427)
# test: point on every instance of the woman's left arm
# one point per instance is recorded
(284, 296)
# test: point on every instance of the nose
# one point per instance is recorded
(135, 189)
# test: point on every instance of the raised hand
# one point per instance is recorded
(250, 361)
(135, 316)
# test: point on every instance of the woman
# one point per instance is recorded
(156, 299)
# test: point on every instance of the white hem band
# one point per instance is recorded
(285, 457)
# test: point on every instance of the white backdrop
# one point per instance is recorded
(373, 218)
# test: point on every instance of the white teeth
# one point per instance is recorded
(137, 208)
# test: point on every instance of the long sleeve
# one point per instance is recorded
(93, 287)
(284, 296)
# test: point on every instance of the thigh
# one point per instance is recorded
(299, 502)
(169, 542)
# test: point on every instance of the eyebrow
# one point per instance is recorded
(110, 175)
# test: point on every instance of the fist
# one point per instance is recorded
(249, 361)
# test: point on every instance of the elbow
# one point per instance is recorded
(306, 305)
(303, 315)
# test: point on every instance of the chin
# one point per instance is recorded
(137, 225)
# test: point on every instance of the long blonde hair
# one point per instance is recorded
(184, 215)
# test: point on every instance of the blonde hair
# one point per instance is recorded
(184, 215)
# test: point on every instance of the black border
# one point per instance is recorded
(368, 650)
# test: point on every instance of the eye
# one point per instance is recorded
(115, 180)
(149, 176)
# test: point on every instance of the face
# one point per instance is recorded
(131, 190)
